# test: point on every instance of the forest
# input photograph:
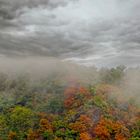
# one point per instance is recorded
(58, 107)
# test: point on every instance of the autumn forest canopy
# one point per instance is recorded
(101, 104)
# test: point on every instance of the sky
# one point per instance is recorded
(103, 33)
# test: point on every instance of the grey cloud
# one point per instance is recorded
(10, 9)
(70, 30)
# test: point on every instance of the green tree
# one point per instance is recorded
(21, 119)
(113, 75)
(3, 127)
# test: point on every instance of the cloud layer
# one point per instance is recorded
(89, 32)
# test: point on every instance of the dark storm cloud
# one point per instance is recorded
(10, 9)
(86, 31)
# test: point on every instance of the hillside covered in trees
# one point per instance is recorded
(64, 108)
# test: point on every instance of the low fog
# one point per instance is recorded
(41, 67)
(72, 39)
(71, 74)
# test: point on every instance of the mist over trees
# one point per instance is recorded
(61, 107)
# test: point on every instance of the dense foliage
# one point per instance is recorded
(54, 110)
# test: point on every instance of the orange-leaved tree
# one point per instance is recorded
(85, 136)
(108, 129)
